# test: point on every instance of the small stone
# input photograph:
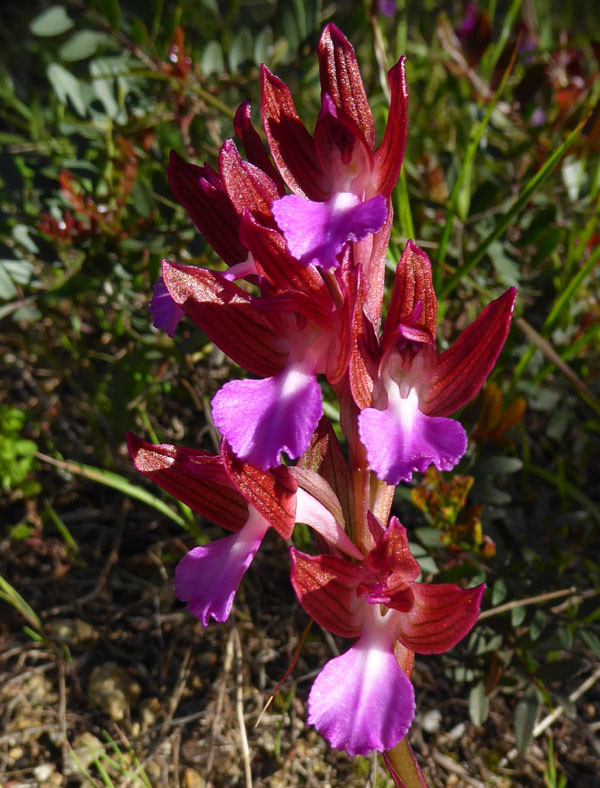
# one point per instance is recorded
(43, 771)
(431, 721)
(73, 632)
(112, 689)
(86, 748)
(150, 708)
(458, 731)
(153, 771)
(192, 779)
(15, 754)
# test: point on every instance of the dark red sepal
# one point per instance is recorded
(196, 478)
(275, 263)
(413, 301)
(390, 154)
(248, 187)
(253, 339)
(462, 370)
(441, 616)
(253, 146)
(272, 493)
(340, 77)
(200, 191)
(291, 146)
(326, 588)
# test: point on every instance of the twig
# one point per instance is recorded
(227, 663)
(239, 707)
(531, 600)
(182, 679)
(62, 715)
(451, 766)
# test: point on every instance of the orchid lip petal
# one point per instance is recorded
(208, 576)
(263, 418)
(317, 231)
(401, 439)
(362, 700)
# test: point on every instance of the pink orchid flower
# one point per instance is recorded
(363, 700)
(407, 427)
(240, 498)
(340, 183)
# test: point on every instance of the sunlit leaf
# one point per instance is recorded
(51, 22)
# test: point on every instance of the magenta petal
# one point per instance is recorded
(362, 700)
(208, 576)
(262, 418)
(401, 439)
(166, 313)
(317, 231)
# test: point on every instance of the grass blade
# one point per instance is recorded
(120, 483)
(533, 184)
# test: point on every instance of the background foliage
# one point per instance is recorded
(501, 186)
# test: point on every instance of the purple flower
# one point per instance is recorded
(407, 427)
(363, 700)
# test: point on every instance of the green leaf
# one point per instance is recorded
(525, 716)
(591, 641)
(52, 22)
(479, 704)
(240, 50)
(262, 46)
(82, 44)
(212, 61)
(7, 288)
(66, 86)
(494, 465)
(20, 233)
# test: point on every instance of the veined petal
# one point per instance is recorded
(253, 146)
(200, 191)
(392, 552)
(248, 187)
(340, 78)
(271, 493)
(390, 154)
(263, 418)
(208, 576)
(312, 512)
(461, 371)
(401, 439)
(197, 478)
(326, 588)
(227, 316)
(316, 231)
(413, 286)
(362, 700)
(291, 146)
(342, 149)
(441, 616)
(165, 312)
